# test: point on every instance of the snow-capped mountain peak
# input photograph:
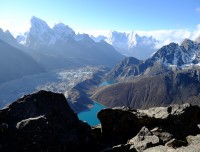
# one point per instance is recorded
(63, 32)
(131, 44)
(38, 26)
(118, 39)
(174, 55)
(39, 34)
(132, 39)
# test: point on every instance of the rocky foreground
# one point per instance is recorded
(44, 122)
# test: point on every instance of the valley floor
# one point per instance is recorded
(60, 81)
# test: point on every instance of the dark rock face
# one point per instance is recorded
(128, 66)
(42, 121)
(160, 90)
(193, 146)
(120, 125)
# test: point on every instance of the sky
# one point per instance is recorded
(160, 18)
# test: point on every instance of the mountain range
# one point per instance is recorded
(169, 57)
(48, 50)
(54, 48)
(172, 66)
(60, 47)
(170, 76)
(130, 43)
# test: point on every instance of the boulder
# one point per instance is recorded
(121, 124)
(193, 141)
(176, 143)
(162, 135)
(144, 139)
(42, 121)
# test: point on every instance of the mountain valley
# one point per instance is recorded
(50, 75)
(170, 76)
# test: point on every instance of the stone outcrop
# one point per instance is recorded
(163, 126)
(42, 121)
(144, 139)
(193, 146)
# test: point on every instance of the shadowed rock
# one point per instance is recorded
(160, 90)
(120, 125)
(42, 121)
(144, 139)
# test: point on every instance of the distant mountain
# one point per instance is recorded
(159, 90)
(170, 76)
(167, 58)
(63, 32)
(198, 39)
(130, 44)
(173, 54)
(60, 47)
(127, 67)
(14, 63)
(7, 37)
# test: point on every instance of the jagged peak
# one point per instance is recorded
(187, 43)
(130, 60)
(60, 28)
(39, 25)
(172, 44)
(83, 37)
(36, 20)
(197, 39)
(61, 25)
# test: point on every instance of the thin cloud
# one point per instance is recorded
(14, 27)
(163, 36)
(197, 10)
(167, 36)
(4, 24)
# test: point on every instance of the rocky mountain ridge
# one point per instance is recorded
(41, 34)
(168, 58)
(159, 90)
(43, 121)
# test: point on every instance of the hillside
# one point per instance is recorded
(159, 90)
(167, 58)
(14, 63)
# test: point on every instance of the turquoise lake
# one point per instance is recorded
(105, 83)
(90, 116)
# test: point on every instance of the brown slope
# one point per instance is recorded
(160, 90)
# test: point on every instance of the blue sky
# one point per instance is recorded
(86, 15)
